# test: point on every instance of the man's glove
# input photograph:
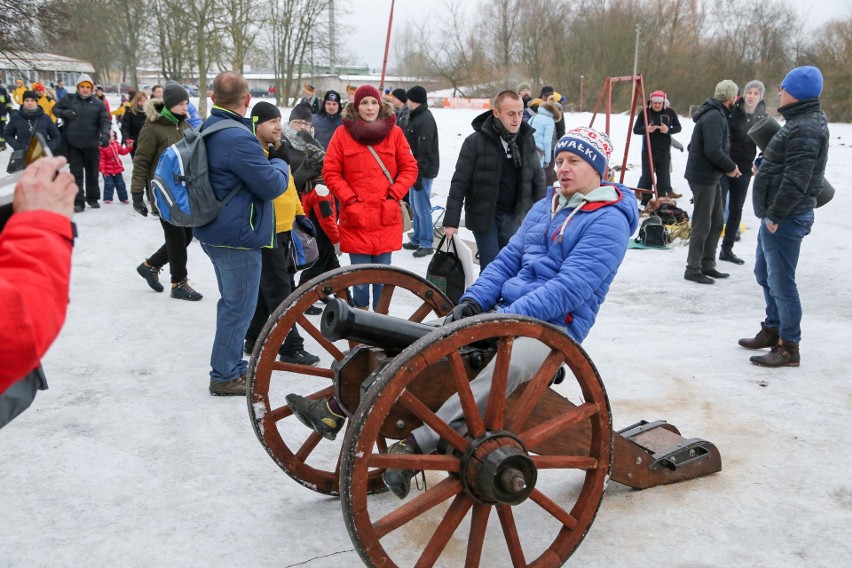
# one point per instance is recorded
(467, 308)
(306, 225)
(69, 115)
(139, 205)
(103, 140)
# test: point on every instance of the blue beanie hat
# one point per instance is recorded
(803, 82)
(591, 145)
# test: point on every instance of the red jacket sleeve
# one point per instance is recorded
(35, 270)
(327, 216)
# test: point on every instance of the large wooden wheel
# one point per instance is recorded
(552, 493)
(303, 454)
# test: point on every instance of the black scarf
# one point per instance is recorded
(511, 139)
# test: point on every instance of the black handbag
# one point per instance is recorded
(446, 271)
(16, 161)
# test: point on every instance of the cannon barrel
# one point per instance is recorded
(763, 131)
(340, 321)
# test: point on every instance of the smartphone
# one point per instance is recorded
(37, 148)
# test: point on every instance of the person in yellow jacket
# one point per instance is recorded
(18, 93)
(277, 264)
(45, 100)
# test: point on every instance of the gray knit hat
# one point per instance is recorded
(755, 84)
(174, 94)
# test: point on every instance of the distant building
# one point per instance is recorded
(46, 68)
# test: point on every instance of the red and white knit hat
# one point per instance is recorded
(593, 146)
(658, 97)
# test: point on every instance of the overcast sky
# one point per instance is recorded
(368, 20)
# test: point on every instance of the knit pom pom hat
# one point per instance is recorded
(593, 146)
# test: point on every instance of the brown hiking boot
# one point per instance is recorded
(766, 337)
(782, 355)
(234, 387)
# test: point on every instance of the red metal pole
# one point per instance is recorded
(387, 47)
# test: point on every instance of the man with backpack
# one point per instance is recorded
(244, 226)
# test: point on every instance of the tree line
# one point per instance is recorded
(685, 47)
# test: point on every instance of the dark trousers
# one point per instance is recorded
(327, 260)
(734, 192)
(489, 243)
(706, 227)
(662, 169)
(85, 161)
(114, 183)
(173, 252)
(276, 283)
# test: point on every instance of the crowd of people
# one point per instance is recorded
(550, 227)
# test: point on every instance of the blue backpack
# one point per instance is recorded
(181, 187)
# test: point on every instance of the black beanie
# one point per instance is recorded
(301, 112)
(400, 94)
(263, 111)
(30, 95)
(546, 91)
(331, 96)
(417, 94)
(174, 94)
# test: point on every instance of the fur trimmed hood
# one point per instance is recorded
(555, 112)
(368, 133)
(152, 109)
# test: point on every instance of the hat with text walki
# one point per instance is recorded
(803, 82)
(593, 146)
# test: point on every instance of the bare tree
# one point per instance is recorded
(241, 30)
(171, 35)
(293, 23)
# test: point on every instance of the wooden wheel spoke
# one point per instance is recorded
(314, 332)
(476, 538)
(421, 411)
(471, 412)
(535, 390)
(414, 461)
(447, 488)
(448, 525)
(564, 462)
(551, 507)
(510, 531)
(302, 369)
(310, 444)
(535, 436)
(497, 398)
(383, 305)
(420, 314)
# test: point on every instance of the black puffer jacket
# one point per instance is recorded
(22, 125)
(710, 147)
(743, 149)
(132, 123)
(85, 120)
(477, 177)
(791, 173)
(421, 131)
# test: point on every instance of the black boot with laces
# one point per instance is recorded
(182, 291)
(151, 274)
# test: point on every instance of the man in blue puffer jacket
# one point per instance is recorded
(244, 226)
(557, 268)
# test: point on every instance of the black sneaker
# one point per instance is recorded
(424, 251)
(300, 357)
(398, 481)
(151, 274)
(94, 204)
(182, 291)
(234, 387)
(410, 246)
(316, 415)
(314, 311)
(713, 273)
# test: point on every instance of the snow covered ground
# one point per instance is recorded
(128, 461)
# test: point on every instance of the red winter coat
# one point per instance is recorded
(35, 270)
(370, 216)
(110, 160)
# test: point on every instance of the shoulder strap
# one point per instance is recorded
(381, 163)
(222, 125)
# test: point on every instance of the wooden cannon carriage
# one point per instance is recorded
(540, 459)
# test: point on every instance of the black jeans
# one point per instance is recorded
(80, 161)
(173, 252)
(706, 226)
(662, 167)
(276, 283)
(327, 260)
(734, 191)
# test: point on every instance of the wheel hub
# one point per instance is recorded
(496, 469)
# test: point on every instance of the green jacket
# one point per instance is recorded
(158, 133)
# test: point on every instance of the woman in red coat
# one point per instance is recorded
(370, 216)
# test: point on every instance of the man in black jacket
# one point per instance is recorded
(785, 193)
(421, 131)
(86, 125)
(709, 159)
(498, 177)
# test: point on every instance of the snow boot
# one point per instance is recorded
(399, 480)
(234, 387)
(785, 354)
(316, 415)
(766, 337)
(182, 291)
(151, 274)
(728, 255)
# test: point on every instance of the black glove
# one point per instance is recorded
(69, 115)
(103, 140)
(139, 205)
(418, 185)
(306, 225)
(465, 309)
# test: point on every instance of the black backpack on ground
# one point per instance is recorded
(652, 233)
